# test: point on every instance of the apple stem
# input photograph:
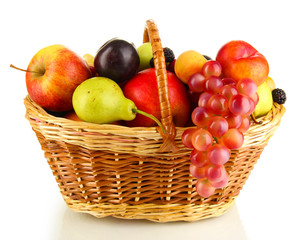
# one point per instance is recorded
(12, 66)
(135, 110)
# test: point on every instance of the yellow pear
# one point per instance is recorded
(265, 102)
(89, 59)
(270, 83)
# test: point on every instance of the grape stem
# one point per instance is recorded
(135, 110)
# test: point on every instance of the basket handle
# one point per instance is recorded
(151, 34)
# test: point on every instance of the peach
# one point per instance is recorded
(189, 63)
(72, 116)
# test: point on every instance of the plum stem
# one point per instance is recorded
(135, 110)
(12, 66)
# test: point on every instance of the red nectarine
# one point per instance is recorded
(142, 89)
(241, 60)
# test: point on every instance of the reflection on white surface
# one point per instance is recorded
(79, 226)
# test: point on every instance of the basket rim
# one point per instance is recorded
(142, 141)
(33, 109)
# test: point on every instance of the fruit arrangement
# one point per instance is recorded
(145, 133)
(216, 100)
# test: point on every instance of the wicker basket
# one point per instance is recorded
(139, 173)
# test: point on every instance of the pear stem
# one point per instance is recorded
(151, 117)
(254, 119)
(12, 66)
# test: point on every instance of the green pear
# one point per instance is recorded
(145, 53)
(101, 100)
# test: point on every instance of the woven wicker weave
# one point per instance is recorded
(139, 173)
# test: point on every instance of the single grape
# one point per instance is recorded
(233, 139)
(204, 188)
(200, 116)
(212, 68)
(239, 104)
(255, 98)
(216, 173)
(196, 82)
(234, 121)
(229, 91)
(204, 98)
(245, 124)
(186, 137)
(201, 139)
(252, 108)
(218, 104)
(221, 184)
(217, 126)
(218, 154)
(199, 158)
(213, 85)
(197, 172)
(247, 87)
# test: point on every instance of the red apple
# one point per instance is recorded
(142, 89)
(241, 60)
(93, 71)
(52, 76)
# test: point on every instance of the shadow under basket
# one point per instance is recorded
(113, 170)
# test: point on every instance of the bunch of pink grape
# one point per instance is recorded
(220, 119)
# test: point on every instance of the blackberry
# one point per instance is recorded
(168, 54)
(279, 96)
(151, 62)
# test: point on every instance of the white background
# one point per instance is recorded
(268, 207)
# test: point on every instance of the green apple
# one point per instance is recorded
(265, 102)
(145, 53)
